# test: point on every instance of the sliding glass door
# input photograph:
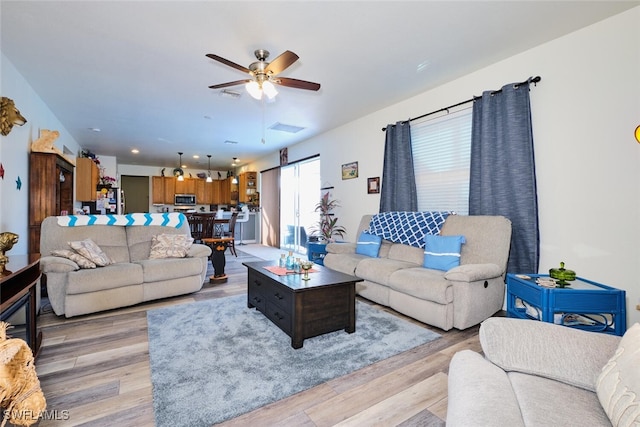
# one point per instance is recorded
(299, 194)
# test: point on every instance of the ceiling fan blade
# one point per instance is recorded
(229, 63)
(281, 63)
(295, 83)
(237, 82)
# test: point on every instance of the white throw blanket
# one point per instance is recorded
(172, 219)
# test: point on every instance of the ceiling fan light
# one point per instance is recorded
(209, 179)
(180, 178)
(254, 89)
(269, 89)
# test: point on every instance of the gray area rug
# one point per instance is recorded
(215, 360)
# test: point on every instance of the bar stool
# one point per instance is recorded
(245, 218)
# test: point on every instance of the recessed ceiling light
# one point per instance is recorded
(94, 129)
(135, 151)
(195, 156)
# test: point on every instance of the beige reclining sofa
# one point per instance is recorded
(535, 373)
(132, 278)
(458, 298)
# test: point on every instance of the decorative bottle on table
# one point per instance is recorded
(290, 261)
(282, 262)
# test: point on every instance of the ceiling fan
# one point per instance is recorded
(263, 74)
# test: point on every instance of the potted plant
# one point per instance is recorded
(327, 226)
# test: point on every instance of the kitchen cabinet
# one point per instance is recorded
(162, 190)
(205, 192)
(247, 186)
(50, 192)
(87, 179)
(188, 186)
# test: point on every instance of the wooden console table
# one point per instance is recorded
(17, 290)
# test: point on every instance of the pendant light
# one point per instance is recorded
(209, 179)
(181, 173)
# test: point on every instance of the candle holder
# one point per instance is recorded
(306, 266)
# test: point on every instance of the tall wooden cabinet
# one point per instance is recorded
(247, 183)
(50, 192)
(87, 179)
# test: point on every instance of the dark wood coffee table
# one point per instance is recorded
(303, 309)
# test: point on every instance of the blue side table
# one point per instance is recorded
(583, 304)
(316, 252)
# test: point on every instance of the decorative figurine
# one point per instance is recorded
(9, 116)
(7, 240)
(562, 275)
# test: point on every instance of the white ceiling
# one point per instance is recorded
(137, 70)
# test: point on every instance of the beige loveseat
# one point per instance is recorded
(541, 374)
(461, 297)
(132, 278)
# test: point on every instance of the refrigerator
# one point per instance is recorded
(110, 201)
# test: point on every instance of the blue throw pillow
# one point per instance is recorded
(368, 244)
(442, 252)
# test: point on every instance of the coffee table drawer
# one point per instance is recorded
(278, 316)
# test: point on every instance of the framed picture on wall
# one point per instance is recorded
(350, 170)
(373, 185)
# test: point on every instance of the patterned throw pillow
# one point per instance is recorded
(170, 246)
(368, 244)
(90, 250)
(75, 257)
(442, 252)
(618, 386)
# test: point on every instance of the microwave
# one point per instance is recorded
(184, 200)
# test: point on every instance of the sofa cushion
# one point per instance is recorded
(546, 402)
(170, 246)
(112, 239)
(343, 262)
(618, 386)
(75, 257)
(139, 238)
(545, 349)
(155, 270)
(407, 253)
(90, 250)
(442, 252)
(99, 279)
(378, 270)
(368, 244)
(422, 283)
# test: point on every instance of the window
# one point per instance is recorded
(441, 157)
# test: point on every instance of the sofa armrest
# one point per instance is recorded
(341, 248)
(475, 386)
(564, 354)
(57, 264)
(473, 272)
(198, 250)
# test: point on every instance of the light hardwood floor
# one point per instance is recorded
(94, 371)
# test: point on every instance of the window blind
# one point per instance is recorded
(441, 158)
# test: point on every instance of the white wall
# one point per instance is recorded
(584, 114)
(14, 152)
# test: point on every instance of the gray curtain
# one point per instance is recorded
(502, 175)
(398, 191)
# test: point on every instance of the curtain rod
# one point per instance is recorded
(533, 80)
